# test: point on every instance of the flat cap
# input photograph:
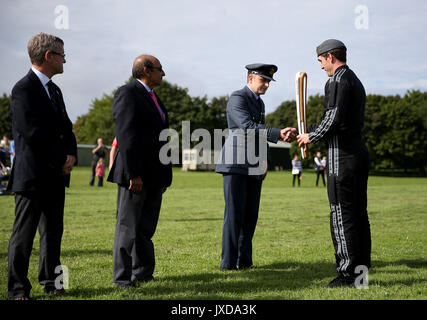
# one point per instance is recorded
(264, 70)
(329, 45)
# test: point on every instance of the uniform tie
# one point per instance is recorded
(162, 115)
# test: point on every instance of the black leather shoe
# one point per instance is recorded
(148, 279)
(227, 269)
(245, 267)
(21, 298)
(342, 282)
(125, 286)
(54, 291)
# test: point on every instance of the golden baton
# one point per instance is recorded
(301, 100)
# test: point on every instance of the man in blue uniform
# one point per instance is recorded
(242, 176)
(348, 163)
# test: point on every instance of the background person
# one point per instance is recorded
(100, 171)
(113, 152)
(4, 151)
(46, 152)
(12, 152)
(100, 151)
(296, 170)
(319, 168)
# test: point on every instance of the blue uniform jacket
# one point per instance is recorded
(246, 123)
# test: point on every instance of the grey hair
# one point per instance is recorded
(39, 44)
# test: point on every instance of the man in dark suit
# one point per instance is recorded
(46, 151)
(242, 178)
(140, 117)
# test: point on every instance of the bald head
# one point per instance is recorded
(148, 69)
(140, 63)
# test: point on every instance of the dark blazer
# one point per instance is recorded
(138, 127)
(43, 137)
(244, 112)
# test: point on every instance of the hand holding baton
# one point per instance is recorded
(301, 100)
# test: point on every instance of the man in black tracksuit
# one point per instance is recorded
(348, 163)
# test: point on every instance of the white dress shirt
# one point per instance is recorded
(44, 79)
(145, 86)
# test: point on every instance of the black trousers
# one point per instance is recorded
(318, 174)
(242, 196)
(298, 177)
(93, 167)
(347, 191)
(44, 210)
(137, 217)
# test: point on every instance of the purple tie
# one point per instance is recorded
(162, 115)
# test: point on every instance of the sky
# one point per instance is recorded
(204, 45)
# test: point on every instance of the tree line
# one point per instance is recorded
(395, 130)
(395, 126)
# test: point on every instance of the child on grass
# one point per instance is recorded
(100, 171)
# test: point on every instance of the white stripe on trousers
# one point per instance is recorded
(338, 229)
(337, 221)
(333, 155)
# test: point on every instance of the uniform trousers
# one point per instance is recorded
(45, 210)
(137, 217)
(347, 181)
(242, 196)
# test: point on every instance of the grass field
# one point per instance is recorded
(293, 252)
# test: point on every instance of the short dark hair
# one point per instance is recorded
(138, 67)
(340, 54)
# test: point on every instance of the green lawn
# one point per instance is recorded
(293, 252)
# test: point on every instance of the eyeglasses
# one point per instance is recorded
(59, 54)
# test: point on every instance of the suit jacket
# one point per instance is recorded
(43, 137)
(244, 113)
(138, 127)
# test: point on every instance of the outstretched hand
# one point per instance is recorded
(288, 134)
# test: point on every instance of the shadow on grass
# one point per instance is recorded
(86, 252)
(195, 219)
(260, 281)
(216, 284)
(398, 269)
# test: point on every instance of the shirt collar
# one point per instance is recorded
(145, 86)
(254, 94)
(43, 78)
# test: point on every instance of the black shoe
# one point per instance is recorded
(227, 269)
(55, 291)
(147, 279)
(342, 282)
(126, 286)
(20, 298)
(245, 267)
